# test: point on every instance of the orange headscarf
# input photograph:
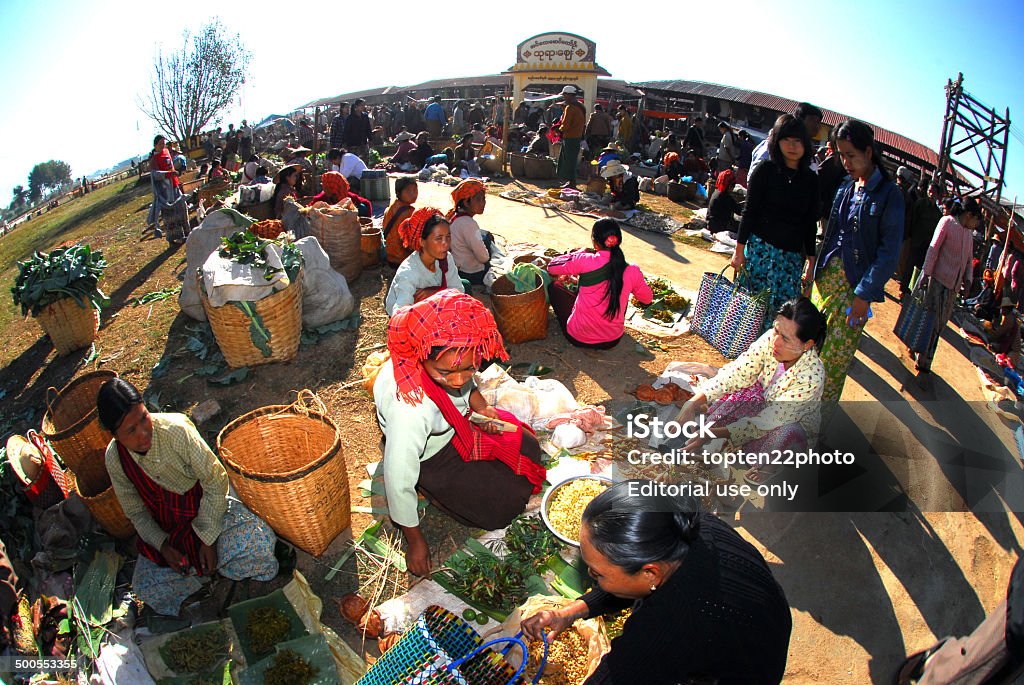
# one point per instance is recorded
(411, 229)
(670, 157)
(464, 191)
(335, 184)
(448, 319)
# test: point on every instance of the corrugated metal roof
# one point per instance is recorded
(348, 97)
(888, 138)
(463, 82)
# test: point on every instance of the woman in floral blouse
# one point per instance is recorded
(768, 398)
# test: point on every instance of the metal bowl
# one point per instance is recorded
(546, 502)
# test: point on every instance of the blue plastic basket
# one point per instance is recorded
(442, 649)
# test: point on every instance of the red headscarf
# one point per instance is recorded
(464, 191)
(669, 158)
(449, 319)
(411, 229)
(335, 184)
(726, 180)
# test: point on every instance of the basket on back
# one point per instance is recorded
(71, 424)
(521, 317)
(281, 315)
(69, 325)
(287, 465)
(338, 232)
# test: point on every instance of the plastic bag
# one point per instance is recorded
(326, 297)
(201, 243)
(568, 436)
(552, 397)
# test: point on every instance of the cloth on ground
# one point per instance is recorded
(226, 280)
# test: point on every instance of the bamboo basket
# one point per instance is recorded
(340, 235)
(521, 317)
(287, 465)
(370, 243)
(71, 424)
(517, 164)
(211, 190)
(105, 508)
(69, 325)
(282, 318)
(542, 168)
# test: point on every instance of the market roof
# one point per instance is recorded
(781, 104)
(347, 97)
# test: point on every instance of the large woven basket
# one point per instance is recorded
(287, 465)
(517, 164)
(539, 167)
(341, 236)
(371, 242)
(71, 424)
(69, 325)
(521, 317)
(282, 318)
(105, 508)
(211, 190)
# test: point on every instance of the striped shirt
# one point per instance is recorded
(950, 254)
(176, 461)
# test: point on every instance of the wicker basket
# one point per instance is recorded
(105, 508)
(282, 318)
(517, 164)
(371, 241)
(69, 325)
(287, 465)
(71, 424)
(562, 302)
(542, 168)
(340, 236)
(212, 190)
(521, 317)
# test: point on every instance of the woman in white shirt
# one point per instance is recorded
(429, 268)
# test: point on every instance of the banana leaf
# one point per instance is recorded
(95, 588)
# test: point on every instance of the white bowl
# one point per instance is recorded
(547, 501)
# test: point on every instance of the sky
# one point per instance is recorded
(72, 73)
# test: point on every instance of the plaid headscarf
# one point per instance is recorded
(449, 319)
(725, 181)
(464, 191)
(411, 229)
(335, 184)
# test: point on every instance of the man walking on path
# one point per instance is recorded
(599, 130)
(574, 119)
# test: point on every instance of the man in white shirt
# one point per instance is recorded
(348, 165)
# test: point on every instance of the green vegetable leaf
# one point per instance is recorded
(236, 376)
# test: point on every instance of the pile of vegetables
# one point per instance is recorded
(265, 628)
(528, 542)
(195, 650)
(65, 272)
(667, 305)
(487, 581)
(243, 247)
(289, 669)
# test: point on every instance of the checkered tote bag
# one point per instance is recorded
(732, 317)
(712, 299)
(915, 323)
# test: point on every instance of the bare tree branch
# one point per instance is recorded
(192, 86)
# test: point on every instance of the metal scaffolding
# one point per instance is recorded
(971, 125)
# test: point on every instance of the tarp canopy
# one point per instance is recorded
(275, 119)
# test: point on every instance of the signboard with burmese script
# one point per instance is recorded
(553, 50)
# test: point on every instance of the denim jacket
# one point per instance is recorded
(871, 240)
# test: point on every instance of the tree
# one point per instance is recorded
(191, 87)
(20, 197)
(47, 176)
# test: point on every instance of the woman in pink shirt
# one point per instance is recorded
(947, 267)
(606, 282)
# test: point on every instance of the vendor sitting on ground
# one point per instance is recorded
(623, 186)
(471, 246)
(706, 608)
(478, 475)
(1004, 336)
(465, 156)
(300, 156)
(429, 268)
(348, 165)
(262, 176)
(723, 208)
(769, 398)
(983, 305)
(540, 145)
(606, 281)
(405, 147)
(336, 189)
(289, 184)
(406, 192)
(672, 166)
(423, 151)
(217, 172)
(175, 492)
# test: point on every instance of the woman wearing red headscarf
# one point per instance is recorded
(425, 395)
(336, 189)
(470, 244)
(723, 206)
(429, 268)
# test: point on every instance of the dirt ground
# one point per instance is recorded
(865, 588)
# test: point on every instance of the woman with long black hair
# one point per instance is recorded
(606, 282)
(705, 605)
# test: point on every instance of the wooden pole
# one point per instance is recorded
(998, 285)
(504, 133)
